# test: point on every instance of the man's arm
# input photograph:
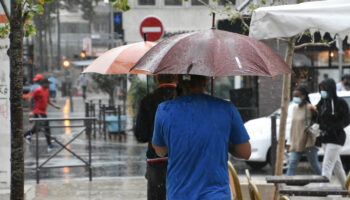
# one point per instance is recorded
(160, 151)
(30, 105)
(143, 127)
(240, 150)
(54, 105)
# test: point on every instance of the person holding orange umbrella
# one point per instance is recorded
(156, 166)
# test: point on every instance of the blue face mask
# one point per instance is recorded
(297, 100)
(324, 94)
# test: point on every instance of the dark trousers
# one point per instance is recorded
(156, 180)
(38, 125)
(84, 91)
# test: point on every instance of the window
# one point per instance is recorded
(198, 3)
(173, 2)
(146, 2)
(224, 2)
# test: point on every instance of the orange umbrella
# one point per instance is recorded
(120, 60)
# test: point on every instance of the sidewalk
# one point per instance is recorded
(99, 189)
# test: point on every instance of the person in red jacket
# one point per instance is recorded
(42, 99)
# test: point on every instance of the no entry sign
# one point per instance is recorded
(153, 28)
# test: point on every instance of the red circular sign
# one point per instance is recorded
(153, 28)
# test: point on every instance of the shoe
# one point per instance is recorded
(50, 147)
(28, 139)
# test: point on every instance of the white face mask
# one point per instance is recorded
(297, 100)
(324, 94)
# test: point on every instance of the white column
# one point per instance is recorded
(238, 82)
(5, 131)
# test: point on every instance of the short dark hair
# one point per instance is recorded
(345, 77)
(191, 81)
(166, 78)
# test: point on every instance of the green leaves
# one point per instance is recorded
(37, 9)
(122, 5)
(29, 30)
(5, 30)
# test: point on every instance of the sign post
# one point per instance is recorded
(152, 27)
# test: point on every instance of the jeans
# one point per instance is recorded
(38, 125)
(156, 180)
(332, 163)
(312, 157)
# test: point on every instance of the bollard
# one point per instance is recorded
(119, 120)
(104, 121)
(99, 115)
(273, 143)
(86, 123)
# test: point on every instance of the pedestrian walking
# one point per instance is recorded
(196, 129)
(42, 99)
(156, 166)
(333, 117)
(52, 88)
(301, 140)
(83, 81)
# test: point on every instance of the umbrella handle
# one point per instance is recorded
(145, 37)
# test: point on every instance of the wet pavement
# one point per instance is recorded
(119, 156)
(118, 163)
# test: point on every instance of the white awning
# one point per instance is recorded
(331, 16)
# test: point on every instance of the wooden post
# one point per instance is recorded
(284, 113)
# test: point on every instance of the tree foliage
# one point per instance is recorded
(108, 83)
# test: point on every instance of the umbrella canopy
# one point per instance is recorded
(212, 53)
(120, 60)
(288, 20)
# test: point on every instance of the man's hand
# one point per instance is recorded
(54, 105)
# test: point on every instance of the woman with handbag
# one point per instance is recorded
(333, 117)
(301, 140)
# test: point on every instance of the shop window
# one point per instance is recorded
(198, 3)
(173, 2)
(224, 2)
(146, 2)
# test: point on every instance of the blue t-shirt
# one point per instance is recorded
(197, 129)
(53, 83)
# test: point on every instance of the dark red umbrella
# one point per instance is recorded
(212, 53)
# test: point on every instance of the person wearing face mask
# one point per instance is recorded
(302, 142)
(333, 117)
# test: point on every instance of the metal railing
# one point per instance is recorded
(103, 111)
(86, 127)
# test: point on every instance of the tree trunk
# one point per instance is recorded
(284, 113)
(16, 85)
(51, 62)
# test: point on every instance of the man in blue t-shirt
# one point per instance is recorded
(195, 130)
